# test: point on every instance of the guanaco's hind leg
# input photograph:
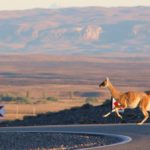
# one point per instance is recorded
(146, 116)
(118, 114)
(143, 106)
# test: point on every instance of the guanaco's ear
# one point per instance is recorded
(107, 78)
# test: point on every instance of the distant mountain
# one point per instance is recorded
(90, 30)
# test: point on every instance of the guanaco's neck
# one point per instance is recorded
(114, 92)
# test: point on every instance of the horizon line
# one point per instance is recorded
(55, 8)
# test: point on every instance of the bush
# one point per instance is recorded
(52, 99)
(22, 100)
(7, 98)
(11, 98)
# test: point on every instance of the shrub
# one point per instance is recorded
(11, 98)
(7, 98)
(22, 100)
(52, 99)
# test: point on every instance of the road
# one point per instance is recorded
(140, 134)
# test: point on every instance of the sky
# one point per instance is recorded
(29, 4)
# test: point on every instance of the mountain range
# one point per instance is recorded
(89, 30)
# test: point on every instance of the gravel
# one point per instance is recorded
(52, 141)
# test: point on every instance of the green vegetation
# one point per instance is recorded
(12, 98)
(21, 99)
(54, 99)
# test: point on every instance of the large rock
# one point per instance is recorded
(92, 33)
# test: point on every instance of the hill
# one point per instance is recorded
(90, 30)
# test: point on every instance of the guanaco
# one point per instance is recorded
(129, 99)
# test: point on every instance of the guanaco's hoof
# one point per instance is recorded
(120, 117)
(104, 116)
(140, 123)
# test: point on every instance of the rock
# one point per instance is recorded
(92, 33)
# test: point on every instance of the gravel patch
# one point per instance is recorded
(52, 141)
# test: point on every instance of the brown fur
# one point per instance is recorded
(129, 99)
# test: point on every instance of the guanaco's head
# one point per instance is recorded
(105, 83)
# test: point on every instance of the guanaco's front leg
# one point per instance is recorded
(114, 110)
(106, 115)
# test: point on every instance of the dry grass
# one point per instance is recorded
(38, 77)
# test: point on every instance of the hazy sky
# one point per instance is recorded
(27, 4)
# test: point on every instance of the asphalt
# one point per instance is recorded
(140, 134)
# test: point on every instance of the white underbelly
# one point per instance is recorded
(148, 106)
(132, 106)
(134, 103)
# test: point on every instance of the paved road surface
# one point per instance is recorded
(140, 134)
